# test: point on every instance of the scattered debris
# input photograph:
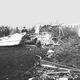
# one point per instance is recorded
(50, 53)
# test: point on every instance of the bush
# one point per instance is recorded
(4, 31)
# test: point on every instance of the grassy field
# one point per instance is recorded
(15, 61)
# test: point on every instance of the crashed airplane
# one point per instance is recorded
(11, 40)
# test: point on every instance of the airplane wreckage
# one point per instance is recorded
(54, 43)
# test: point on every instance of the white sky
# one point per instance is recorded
(31, 12)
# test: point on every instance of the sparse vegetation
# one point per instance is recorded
(4, 31)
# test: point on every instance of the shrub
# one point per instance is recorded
(4, 31)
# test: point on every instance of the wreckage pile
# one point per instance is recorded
(62, 59)
(50, 71)
(56, 35)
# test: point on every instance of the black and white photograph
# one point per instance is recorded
(39, 40)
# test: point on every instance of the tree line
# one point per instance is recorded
(7, 30)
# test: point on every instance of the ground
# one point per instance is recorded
(15, 61)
